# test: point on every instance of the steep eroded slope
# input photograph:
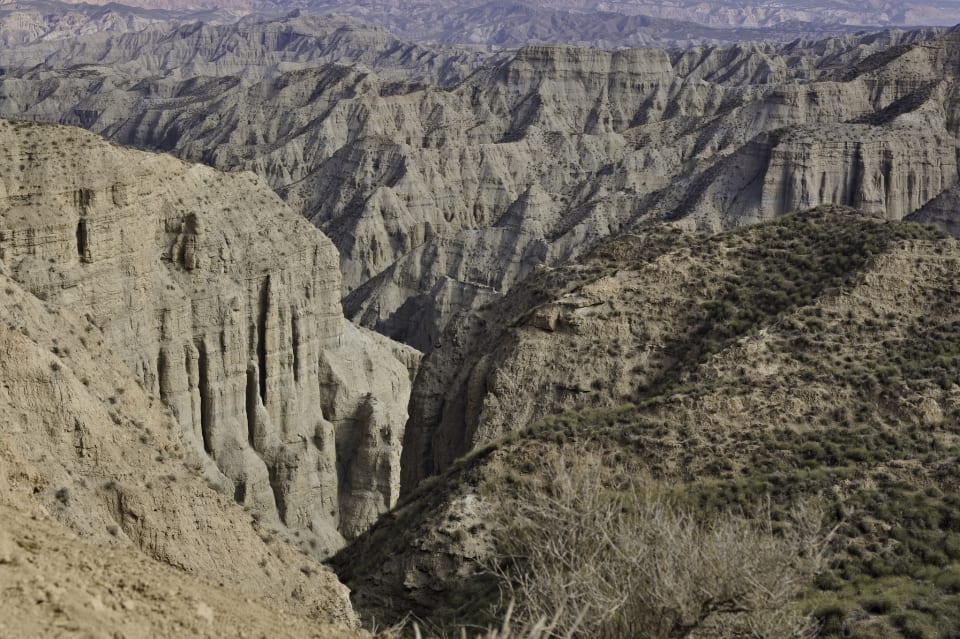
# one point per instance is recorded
(223, 304)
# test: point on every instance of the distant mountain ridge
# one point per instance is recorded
(715, 13)
(500, 24)
(139, 42)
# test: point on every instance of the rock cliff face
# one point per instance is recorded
(943, 211)
(441, 200)
(225, 305)
(83, 442)
(891, 170)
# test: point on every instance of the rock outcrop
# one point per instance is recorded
(441, 200)
(943, 211)
(223, 304)
(82, 441)
(891, 170)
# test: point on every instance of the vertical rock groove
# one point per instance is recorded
(252, 401)
(203, 386)
(262, 310)
(279, 494)
(162, 380)
(83, 240)
(295, 347)
(240, 492)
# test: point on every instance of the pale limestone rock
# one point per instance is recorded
(439, 201)
(83, 442)
(226, 305)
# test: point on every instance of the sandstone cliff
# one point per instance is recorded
(224, 305)
(440, 200)
(85, 443)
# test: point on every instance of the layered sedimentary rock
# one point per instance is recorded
(891, 170)
(440, 200)
(225, 305)
(84, 443)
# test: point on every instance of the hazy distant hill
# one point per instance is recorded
(511, 24)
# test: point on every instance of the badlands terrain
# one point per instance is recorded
(308, 312)
(439, 199)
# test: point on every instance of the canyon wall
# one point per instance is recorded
(440, 200)
(225, 305)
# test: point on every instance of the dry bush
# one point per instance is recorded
(612, 562)
(539, 629)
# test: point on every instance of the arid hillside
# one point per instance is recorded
(487, 24)
(813, 357)
(58, 585)
(513, 334)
